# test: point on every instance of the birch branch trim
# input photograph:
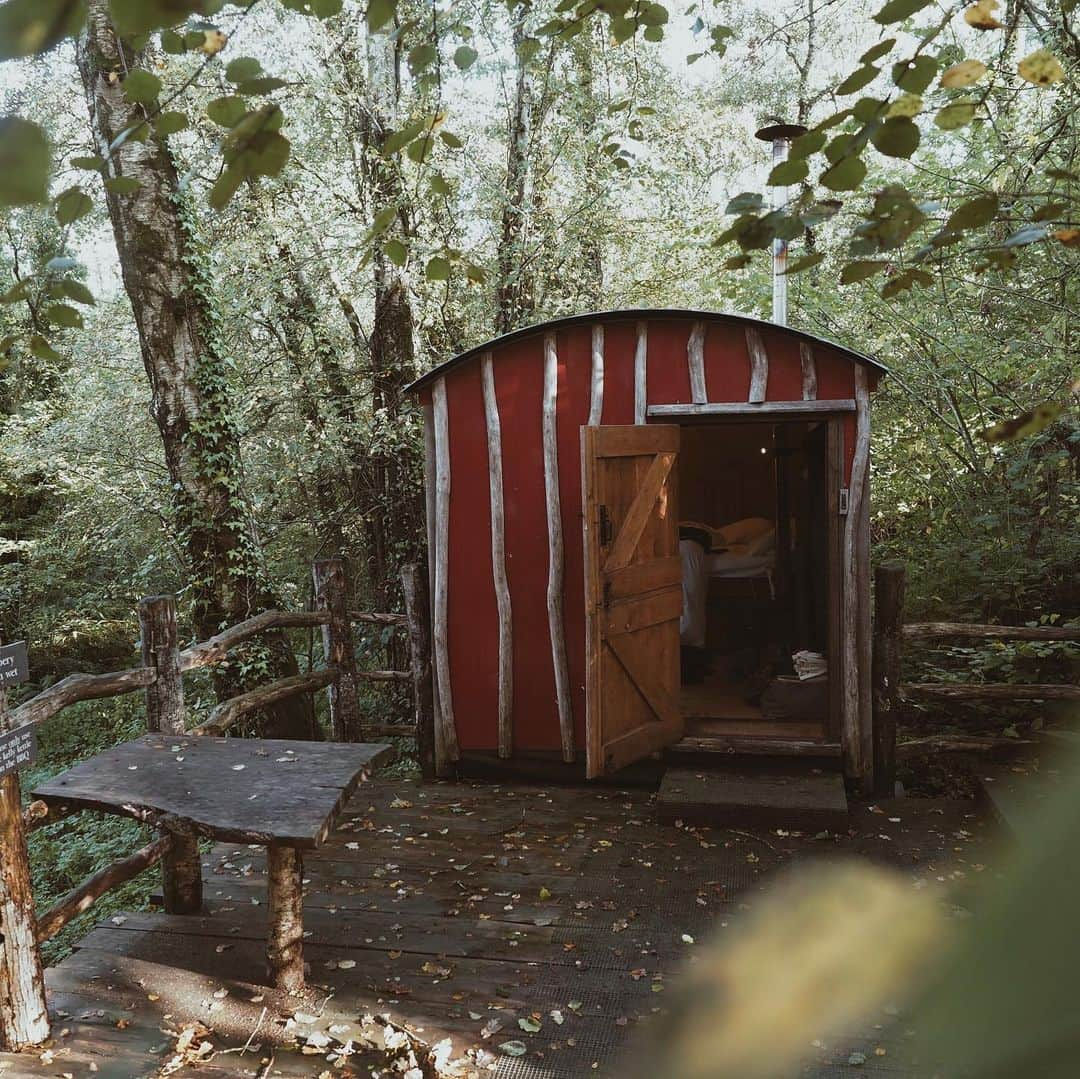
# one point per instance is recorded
(809, 371)
(759, 365)
(641, 378)
(556, 568)
(695, 361)
(498, 558)
(447, 727)
(596, 385)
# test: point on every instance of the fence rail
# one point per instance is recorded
(890, 692)
(25, 1023)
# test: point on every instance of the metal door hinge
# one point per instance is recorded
(843, 501)
(607, 533)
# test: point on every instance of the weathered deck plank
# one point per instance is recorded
(452, 907)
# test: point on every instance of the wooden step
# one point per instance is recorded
(701, 748)
(790, 797)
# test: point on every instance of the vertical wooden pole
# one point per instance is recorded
(888, 649)
(332, 595)
(285, 947)
(415, 588)
(181, 867)
(24, 1018)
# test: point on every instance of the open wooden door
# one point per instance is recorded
(633, 593)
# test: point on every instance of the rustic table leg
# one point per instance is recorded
(285, 949)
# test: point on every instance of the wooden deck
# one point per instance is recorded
(550, 920)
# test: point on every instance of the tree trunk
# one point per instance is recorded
(391, 346)
(515, 291)
(167, 282)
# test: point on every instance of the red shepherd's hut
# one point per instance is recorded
(636, 519)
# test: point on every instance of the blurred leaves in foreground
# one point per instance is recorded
(989, 997)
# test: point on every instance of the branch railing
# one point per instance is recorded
(25, 1023)
(890, 692)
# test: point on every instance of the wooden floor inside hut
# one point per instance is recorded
(540, 929)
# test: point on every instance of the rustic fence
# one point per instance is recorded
(890, 692)
(23, 1015)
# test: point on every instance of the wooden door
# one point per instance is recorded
(633, 593)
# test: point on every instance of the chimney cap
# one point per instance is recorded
(775, 129)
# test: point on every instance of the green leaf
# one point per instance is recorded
(135, 17)
(737, 262)
(383, 219)
(243, 68)
(173, 43)
(227, 111)
(465, 56)
(747, 201)
(227, 184)
(914, 75)
(898, 137)
(421, 57)
(19, 291)
(859, 78)
(451, 140)
(28, 27)
(264, 85)
(439, 184)
(92, 163)
(898, 10)
(396, 252)
(398, 140)
(788, 172)
(122, 185)
(806, 145)
(860, 270)
(59, 314)
(973, 214)
(530, 46)
(72, 204)
(845, 175)
(25, 162)
(955, 115)
(77, 291)
(142, 87)
(380, 12)
(1024, 425)
(42, 349)
(876, 52)
(438, 269)
(169, 123)
(804, 263)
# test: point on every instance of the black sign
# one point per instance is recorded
(18, 748)
(14, 666)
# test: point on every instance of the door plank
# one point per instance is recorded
(641, 577)
(640, 612)
(640, 512)
(665, 706)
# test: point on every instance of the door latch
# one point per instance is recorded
(843, 501)
(607, 532)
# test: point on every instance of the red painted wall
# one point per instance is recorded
(519, 374)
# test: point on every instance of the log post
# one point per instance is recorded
(332, 595)
(24, 1017)
(181, 867)
(414, 586)
(888, 648)
(285, 947)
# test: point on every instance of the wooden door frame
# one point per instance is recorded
(833, 414)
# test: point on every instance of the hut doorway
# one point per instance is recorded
(759, 551)
(712, 584)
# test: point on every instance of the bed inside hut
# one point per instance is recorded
(755, 541)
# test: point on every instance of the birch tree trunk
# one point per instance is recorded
(184, 356)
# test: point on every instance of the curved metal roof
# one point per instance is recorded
(635, 313)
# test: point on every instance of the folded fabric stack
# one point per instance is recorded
(810, 665)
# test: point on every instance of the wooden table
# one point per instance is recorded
(286, 795)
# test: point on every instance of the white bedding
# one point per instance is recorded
(755, 558)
